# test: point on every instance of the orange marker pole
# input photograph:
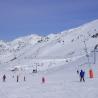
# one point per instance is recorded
(91, 74)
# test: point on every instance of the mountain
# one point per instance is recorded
(67, 45)
(56, 57)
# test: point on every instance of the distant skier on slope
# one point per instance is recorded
(43, 79)
(4, 78)
(24, 78)
(77, 71)
(82, 73)
(17, 78)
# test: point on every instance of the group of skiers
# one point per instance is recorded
(81, 75)
(17, 78)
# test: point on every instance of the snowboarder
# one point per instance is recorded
(4, 78)
(82, 73)
(17, 78)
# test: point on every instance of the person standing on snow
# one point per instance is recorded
(17, 78)
(82, 73)
(4, 78)
(43, 79)
(24, 78)
(77, 71)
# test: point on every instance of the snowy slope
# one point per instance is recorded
(57, 57)
(60, 82)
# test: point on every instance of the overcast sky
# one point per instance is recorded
(24, 17)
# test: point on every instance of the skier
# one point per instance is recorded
(43, 80)
(24, 78)
(17, 78)
(82, 73)
(77, 71)
(4, 78)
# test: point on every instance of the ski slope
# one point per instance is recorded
(60, 82)
(57, 57)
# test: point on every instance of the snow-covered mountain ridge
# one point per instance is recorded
(64, 45)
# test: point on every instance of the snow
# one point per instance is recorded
(61, 82)
(57, 57)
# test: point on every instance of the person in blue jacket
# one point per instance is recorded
(82, 73)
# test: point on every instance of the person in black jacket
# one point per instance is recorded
(4, 78)
(77, 71)
(17, 78)
(24, 78)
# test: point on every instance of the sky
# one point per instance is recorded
(42, 17)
